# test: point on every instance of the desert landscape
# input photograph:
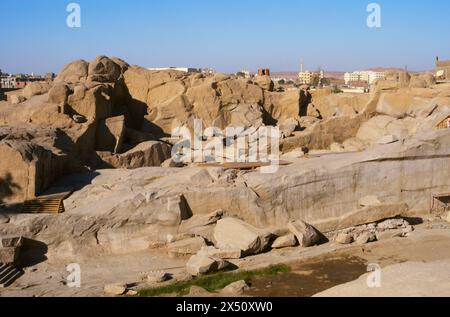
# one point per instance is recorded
(90, 179)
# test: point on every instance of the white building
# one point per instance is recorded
(368, 76)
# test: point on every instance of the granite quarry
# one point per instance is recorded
(98, 143)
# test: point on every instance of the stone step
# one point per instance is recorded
(8, 275)
(5, 271)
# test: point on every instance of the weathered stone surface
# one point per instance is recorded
(336, 147)
(11, 242)
(265, 82)
(365, 237)
(399, 104)
(202, 264)
(285, 242)
(197, 291)
(150, 153)
(251, 240)
(154, 277)
(369, 201)
(73, 72)
(9, 249)
(287, 127)
(103, 69)
(391, 224)
(236, 288)
(186, 247)
(115, 289)
(306, 234)
(332, 105)
(3, 218)
(79, 118)
(389, 234)
(27, 168)
(283, 106)
(9, 255)
(171, 163)
(344, 238)
(201, 220)
(387, 139)
(111, 134)
(361, 216)
(179, 236)
(16, 99)
(221, 253)
(35, 88)
(93, 103)
(59, 93)
(430, 279)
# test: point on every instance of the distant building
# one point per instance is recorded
(308, 78)
(442, 69)
(244, 73)
(363, 76)
(263, 72)
(17, 81)
(180, 69)
(208, 71)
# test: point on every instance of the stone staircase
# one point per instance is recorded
(8, 275)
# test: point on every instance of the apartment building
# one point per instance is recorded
(308, 78)
(368, 76)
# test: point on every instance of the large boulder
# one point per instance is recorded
(221, 253)
(92, 103)
(344, 104)
(200, 264)
(400, 104)
(265, 82)
(306, 234)
(29, 166)
(10, 250)
(251, 240)
(16, 99)
(285, 241)
(35, 89)
(59, 93)
(286, 105)
(376, 129)
(150, 153)
(422, 81)
(73, 72)
(103, 69)
(186, 247)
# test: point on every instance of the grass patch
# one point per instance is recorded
(215, 281)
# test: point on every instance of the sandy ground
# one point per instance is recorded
(425, 256)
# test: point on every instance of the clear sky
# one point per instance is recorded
(228, 35)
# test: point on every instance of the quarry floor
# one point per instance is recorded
(408, 266)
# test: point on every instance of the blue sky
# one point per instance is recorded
(227, 35)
